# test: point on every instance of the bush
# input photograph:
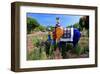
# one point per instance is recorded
(42, 53)
(69, 46)
(34, 55)
(79, 50)
(31, 24)
(36, 41)
(86, 49)
(37, 54)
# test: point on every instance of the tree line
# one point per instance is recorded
(83, 23)
(34, 25)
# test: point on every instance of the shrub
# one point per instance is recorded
(34, 55)
(79, 50)
(37, 54)
(69, 46)
(36, 41)
(86, 49)
(31, 24)
(42, 53)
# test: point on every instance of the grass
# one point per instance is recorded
(34, 55)
(38, 52)
(79, 50)
(40, 49)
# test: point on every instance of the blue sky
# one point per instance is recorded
(50, 19)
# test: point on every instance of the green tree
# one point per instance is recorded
(84, 22)
(52, 28)
(68, 26)
(76, 25)
(31, 24)
(40, 28)
(87, 22)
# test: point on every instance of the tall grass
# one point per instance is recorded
(36, 41)
(37, 54)
(34, 55)
(45, 51)
(80, 50)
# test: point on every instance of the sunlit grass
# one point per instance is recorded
(40, 49)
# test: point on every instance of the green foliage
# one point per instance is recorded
(31, 24)
(81, 22)
(51, 28)
(76, 25)
(87, 22)
(40, 28)
(36, 41)
(84, 22)
(51, 51)
(47, 47)
(78, 50)
(38, 52)
(34, 55)
(69, 46)
(42, 53)
(86, 49)
(63, 51)
(68, 26)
